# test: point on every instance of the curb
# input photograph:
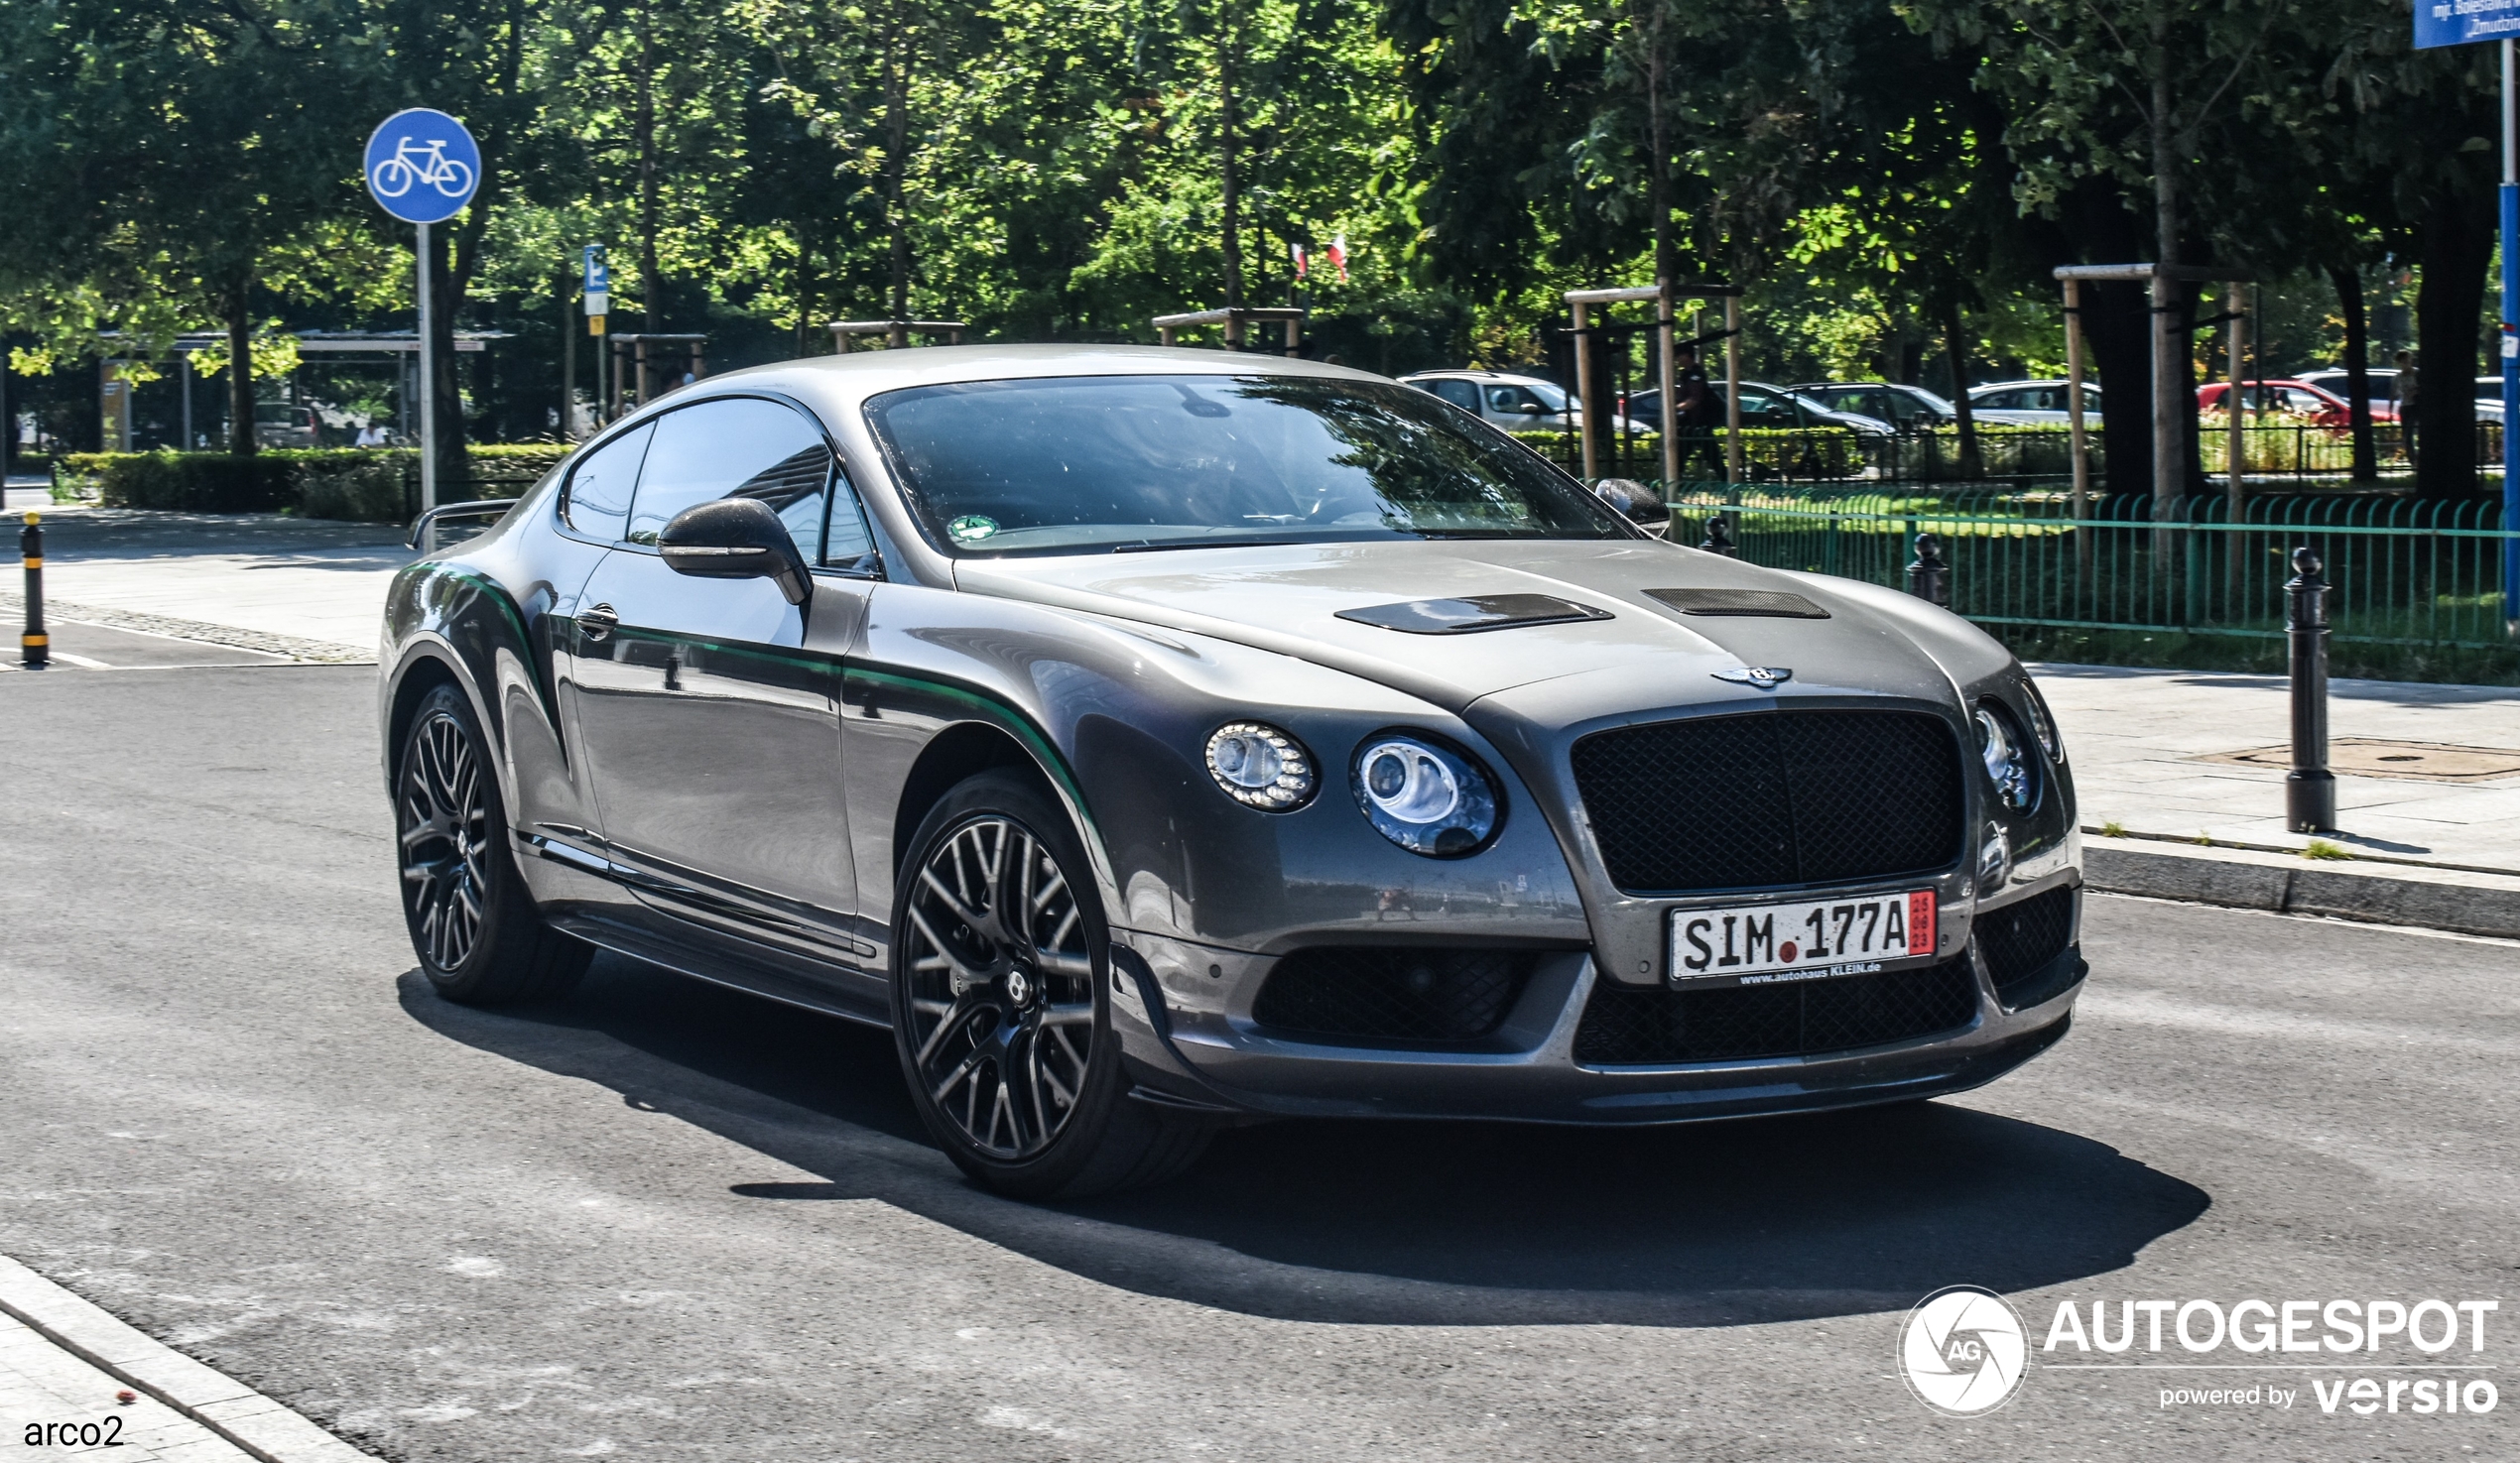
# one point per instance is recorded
(292, 646)
(2466, 902)
(252, 1421)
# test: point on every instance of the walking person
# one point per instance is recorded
(2404, 389)
(1695, 413)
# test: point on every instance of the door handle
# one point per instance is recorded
(595, 622)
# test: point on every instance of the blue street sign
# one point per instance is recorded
(599, 272)
(422, 165)
(2459, 22)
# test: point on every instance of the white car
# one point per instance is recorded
(1905, 407)
(1513, 402)
(2033, 403)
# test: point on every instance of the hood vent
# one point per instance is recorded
(1476, 613)
(1770, 603)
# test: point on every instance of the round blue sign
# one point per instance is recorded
(422, 165)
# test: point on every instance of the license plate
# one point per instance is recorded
(1791, 939)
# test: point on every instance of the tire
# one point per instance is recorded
(1004, 1025)
(473, 923)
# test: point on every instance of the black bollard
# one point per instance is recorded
(1718, 538)
(1929, 577)
(34, 648)
(2310, 789)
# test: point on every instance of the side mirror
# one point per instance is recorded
(1636, 504)
(1532, 408)
(736, 539)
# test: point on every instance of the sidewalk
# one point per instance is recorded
(302, 588)
(2185, 768)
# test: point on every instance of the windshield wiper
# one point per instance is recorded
(1149, 546)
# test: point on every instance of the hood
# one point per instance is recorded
(1334, 604)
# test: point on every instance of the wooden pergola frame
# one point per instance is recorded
(1664, 295)
(896, 333)
(1235, 322)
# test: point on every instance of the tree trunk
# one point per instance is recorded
(1659, 172)
(455, 465)
(1956, 350)
(805, 293)
(1227, 40)
(896, 172)
(2348, 282)
(2169, 352)
(649, 285)
(240, 372)
(2456, 249)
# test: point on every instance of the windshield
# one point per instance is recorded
(1082, 464)
(1549, 395)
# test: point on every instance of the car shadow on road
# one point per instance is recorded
(1396, 1222)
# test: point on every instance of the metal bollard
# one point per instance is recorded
(1718, 538)
(2310, 789)
(34, 648)
(1929, 577)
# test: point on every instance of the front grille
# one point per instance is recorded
(1773, 799)
(2022, 940)
(1392, 994)
(1625, 1026)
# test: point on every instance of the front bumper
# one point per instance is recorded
(1183, 1011)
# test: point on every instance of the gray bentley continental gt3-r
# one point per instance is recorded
(1155, 740)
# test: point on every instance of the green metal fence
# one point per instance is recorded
(2405, 572)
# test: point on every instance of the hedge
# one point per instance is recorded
(359, 484)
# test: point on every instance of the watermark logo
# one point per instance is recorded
(1963, 1351)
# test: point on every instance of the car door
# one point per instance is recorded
(709, 709)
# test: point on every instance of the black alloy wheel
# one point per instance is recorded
(1001, 987)
(444, 818)
(1000, 1015)
(473, 923)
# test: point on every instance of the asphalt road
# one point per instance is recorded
(666, 1221)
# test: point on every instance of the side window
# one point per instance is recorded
(1997, 401)
(849, 545)
(597, 500)
(1461, 393)
(1510, 401)
(736, 448)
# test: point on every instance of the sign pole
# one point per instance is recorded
(428, 385)
(2510, 343)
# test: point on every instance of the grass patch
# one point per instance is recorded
(2112, 830)
(2320, 848)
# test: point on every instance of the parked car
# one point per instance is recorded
(1514, 403)
(2380, 384)
(2490, 399)
(1905, 407)
(281, 424)
(1157, 739)
(2292, 398)
(2033, 403)
(1765, 406)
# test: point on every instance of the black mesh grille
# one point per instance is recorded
(1392, 994)
(1773, 799)
(1628, 1026)
(2021, 941)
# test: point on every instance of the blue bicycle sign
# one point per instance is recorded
(422, 165)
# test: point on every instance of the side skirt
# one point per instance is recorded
(702, 959)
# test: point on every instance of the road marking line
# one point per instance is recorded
(252, 1421)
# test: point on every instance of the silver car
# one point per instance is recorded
(1161, 740)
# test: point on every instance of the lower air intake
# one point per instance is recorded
(1624, 1025)
(1379, 993)
(2021, 942)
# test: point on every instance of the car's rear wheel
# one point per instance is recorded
(1001, 1011)
(472, 921)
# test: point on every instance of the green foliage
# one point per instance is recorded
(365, 486)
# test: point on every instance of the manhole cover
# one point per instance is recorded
(2371, 757)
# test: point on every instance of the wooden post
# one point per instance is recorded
(1584, 394)
(1732, 388)
(898, 337)
(2077, 431)
(647, 388)
(2237, 458)
(1664, 329)
(1294, 339)
(1233, 330)
(1163, 334)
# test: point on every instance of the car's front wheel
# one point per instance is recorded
(473, 923)
(1000, 1007)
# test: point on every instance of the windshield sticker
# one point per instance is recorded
(972, 527)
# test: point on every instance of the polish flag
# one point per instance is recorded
(1339, 257)
(1302, 261)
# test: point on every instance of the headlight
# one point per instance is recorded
(2042, 723)
(1426, 798)
(1261, 766)
(2007, 755)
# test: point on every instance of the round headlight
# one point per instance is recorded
(1261, 766)
(2007, 756)
(1426, 797)
(2042, 723)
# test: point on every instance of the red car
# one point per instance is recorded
(2293, 398)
